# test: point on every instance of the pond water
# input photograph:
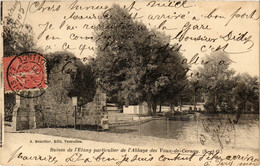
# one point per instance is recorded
(156, 128)
(245, 130)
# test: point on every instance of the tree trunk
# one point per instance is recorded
(172, 106)
(154, 105)
(149, 108)
(180, 104)
(215, 105)
(194, 100)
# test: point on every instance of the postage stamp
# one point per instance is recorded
(25, 74)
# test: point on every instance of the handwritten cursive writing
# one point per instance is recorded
(17, 154)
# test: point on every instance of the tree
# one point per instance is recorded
(17, 38)
(216, 82)
(192, 93)
(136, 64)
(84, 85)
(164, 74)
(118, 38)
(246, 93)
(82, 82)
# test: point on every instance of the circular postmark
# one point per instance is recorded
(26, 75)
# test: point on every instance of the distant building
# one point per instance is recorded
(140, 109)
(111, 107)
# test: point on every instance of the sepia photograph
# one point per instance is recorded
(129, 83)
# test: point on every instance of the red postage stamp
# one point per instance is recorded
(25, 73)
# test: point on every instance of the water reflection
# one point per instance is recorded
(156, 128)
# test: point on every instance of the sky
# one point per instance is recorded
(239, 21)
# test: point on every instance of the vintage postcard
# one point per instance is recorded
(129, 83)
